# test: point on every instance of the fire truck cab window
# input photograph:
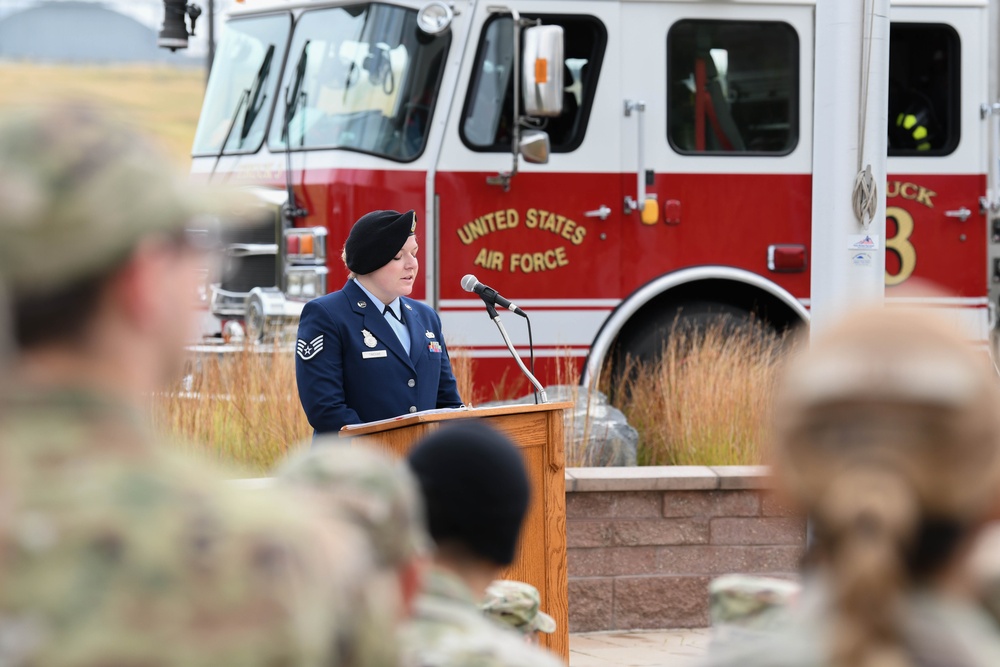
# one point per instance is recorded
(362, 78)
(488, 115)
(242, 87)
(924, 89)
(732, 87)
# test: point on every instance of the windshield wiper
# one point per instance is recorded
(256, 98)
(293, 98)
(244, 96)
(293, 95)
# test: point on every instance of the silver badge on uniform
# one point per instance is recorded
(429, 334)
(307, 351)
(407, 306)
(369, 338)
(362, 304)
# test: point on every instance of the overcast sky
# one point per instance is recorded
(147, 12)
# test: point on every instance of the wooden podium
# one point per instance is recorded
(537, 430)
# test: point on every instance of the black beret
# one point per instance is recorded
(376, 238)
(475, 487)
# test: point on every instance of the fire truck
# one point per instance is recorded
(612, 166)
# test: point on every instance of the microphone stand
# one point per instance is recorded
(503, 332)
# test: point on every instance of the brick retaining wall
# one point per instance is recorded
(643, 543)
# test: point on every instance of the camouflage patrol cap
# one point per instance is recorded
(368, 489)
(78, 191)
(751, 601)
(516, 603)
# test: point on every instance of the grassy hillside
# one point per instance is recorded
(163, 101)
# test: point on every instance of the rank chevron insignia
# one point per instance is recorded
(307, 351)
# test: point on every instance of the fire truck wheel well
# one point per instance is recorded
(697, 306)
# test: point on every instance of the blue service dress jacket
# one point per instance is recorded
(351, 368)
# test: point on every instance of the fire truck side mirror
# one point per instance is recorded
(534, 146)
(542, 70)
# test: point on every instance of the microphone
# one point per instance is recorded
(492, 299)
(471, 284)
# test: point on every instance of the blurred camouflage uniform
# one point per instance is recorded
(366, 488)
(449, 630)
(379, 496)
(943, 631)
(117, 551)
(516, 604)
(113, 549)
(887, 434)
(742, 606)
(750, 601)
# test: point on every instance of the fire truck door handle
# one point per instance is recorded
(601, 213)
(637, 204)
(962, 214)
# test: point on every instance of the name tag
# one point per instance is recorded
(374, 354)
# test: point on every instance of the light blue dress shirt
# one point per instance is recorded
(393, 315)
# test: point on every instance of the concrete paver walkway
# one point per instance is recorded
(663, 648)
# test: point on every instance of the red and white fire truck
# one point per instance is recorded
(660, 162)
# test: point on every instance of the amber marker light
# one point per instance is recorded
(541, 70)
(650, 214)
(306, 244)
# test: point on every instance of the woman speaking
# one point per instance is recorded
(368, 352)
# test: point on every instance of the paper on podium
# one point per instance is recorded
(408, 415)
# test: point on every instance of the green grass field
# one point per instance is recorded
(163, 101)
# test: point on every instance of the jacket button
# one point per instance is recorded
(413, 408)
(411, 383)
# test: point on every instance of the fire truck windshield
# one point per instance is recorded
(367, 79)
(245, 72)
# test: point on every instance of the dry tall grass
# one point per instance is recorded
(707, 401)
(242, 408)
(577, 433)
(464, 368)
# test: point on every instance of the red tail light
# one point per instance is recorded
(786, 258)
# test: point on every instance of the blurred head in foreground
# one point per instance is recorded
(888, 437)
(100, 245)
(115, 547)
(376, 493)
(476, 490)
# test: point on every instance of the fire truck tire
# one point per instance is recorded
(645, 338)
(255, 319)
